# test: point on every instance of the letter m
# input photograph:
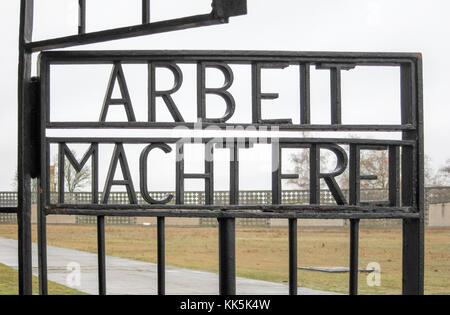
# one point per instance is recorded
(66, 154)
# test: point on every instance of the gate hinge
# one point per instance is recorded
(33, 126)
(227, 8)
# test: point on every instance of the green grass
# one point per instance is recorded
(262, 253)
(9, 284)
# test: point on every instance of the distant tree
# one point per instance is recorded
(73, 181)
(372, 163)
(301, 167)
(442, 177)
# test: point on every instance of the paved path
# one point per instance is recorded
(125, 276)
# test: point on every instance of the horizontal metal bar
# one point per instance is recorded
(267, 208)
(8, 210)
(238, 214)
(192, 125)
(228, 140)
(235, 56)
(196, 176)
(126, 32)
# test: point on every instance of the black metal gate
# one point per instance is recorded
(406, 192)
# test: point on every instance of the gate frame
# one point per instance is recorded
(29, 166)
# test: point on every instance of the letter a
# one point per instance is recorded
(117, 75)
(119, 156)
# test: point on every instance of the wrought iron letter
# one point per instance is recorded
(316, 175)
(119, 155)
(117, 74)
(143, 173)
(65, 152)
(222, 92)
(153, 94)
(258, 96)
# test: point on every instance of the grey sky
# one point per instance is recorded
(321, 25)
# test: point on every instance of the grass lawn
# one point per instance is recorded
(262, 253)
(9, 286)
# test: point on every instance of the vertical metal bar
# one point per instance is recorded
(227, 256)
(314, 170)
(354, 174)
(394, 176)
(61, 171)
(412, 189)
(413, 235)
(161, 257)
(354, 244)
(276, 173)
(145, 11)
(23, 151)
(209, 171)
(43, 197)
(179, 189)
(293, 281)
(101, 252)
(94, 182)
(305, 92)
(234, 174)
(42, 248)
(256, 93)
(81, 17)
(336, 118)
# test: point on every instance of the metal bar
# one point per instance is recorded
(394, 176)
(314, 180)
(101, 252)
(179, 185)
(145, 11)
(412, 189)
(241, 213)
(227, 56)
(161, 257)
(234, 174)
(8, 210)
(293, 281)
(336, 115)
(305, 94)
(43, 172)
(125, 32)
(81, 17)
(24, 139)
(413, 261)
(42, 243)
(276, 173)
(263, 207)
(354, 174)
(354, 245)
(224, 126)
(285, 142)
(227, 256)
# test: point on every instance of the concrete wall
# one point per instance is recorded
(439, 214)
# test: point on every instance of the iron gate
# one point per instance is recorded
(406, 195)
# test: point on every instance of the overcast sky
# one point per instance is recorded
(320, 25)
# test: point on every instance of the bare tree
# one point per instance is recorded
(301, 167)
(371, 163)
(73, 181)
(442, 177)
